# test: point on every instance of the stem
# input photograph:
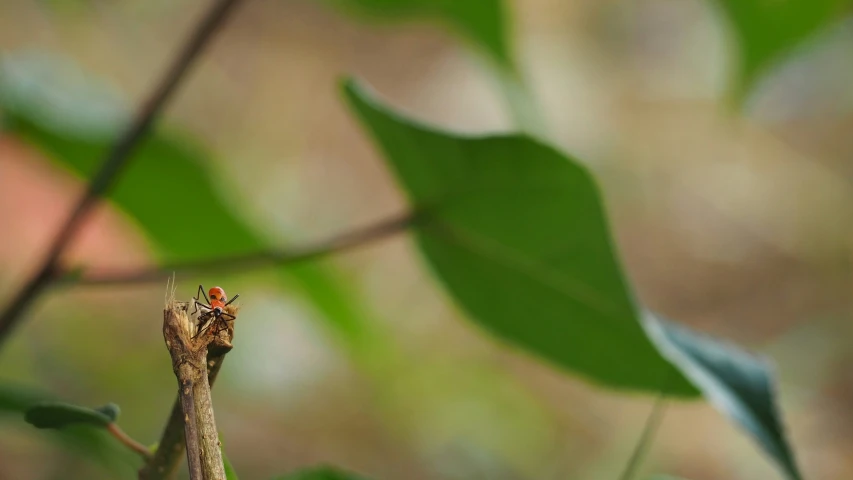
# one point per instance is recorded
(191, 356)
(250, 261)
(130, 443)
(211, 455)
(171, 446)
(169, 449)
(114, 162)
(186, 392)
(652, 423)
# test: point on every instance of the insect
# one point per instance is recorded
(214, 308)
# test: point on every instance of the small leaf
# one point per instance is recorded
(483, 22)
(96, 444)
(516, 232)
(111, 410)
(59, 415)
(738, 384)
(320, 473)
(767, 30)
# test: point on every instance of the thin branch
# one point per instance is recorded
(652, 423)
(191, 434)
(189, 363)
(251, 261)
(115, 161)
(129, 442)
(170, 449)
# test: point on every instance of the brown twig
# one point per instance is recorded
(190, 364)
(171, 446)
(250, 261)
(115, 160)
(130, 443)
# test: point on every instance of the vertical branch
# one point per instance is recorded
(196, 363)
(169, 449)
(186, 393)
(114, 162)
(171, 446)
(189, 362)
(211, 455)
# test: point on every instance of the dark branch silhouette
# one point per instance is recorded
(251, 261)
(115, 161)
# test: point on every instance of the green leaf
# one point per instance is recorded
(664, 477)
(60, 415)
(767, 30)
(483, 22)
(230, 474)
(516, 232)
(18, 398)
(738, 384)
(320, 473)
(168, 188)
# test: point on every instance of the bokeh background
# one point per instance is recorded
(734, 221)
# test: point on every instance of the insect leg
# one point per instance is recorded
(235, 298)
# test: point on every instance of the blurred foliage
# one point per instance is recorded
(95, 444)
(168, 187)
(320, 473)
(484, 22)
(16, 399)
(60, 415)
(517, 233)
(767, 30)
(230, 474)
(736, 383)
(515, 230)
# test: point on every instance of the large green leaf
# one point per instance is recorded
(766, 30)
(737, 383)
(320, 473)
(516, 232)
(168, 187)
(483, 22)
(61, 414)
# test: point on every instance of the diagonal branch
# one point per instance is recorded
(115, 161)
(251, 261)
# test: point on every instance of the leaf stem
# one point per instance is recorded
(653, 422)
(129, 442)
(114, 162)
